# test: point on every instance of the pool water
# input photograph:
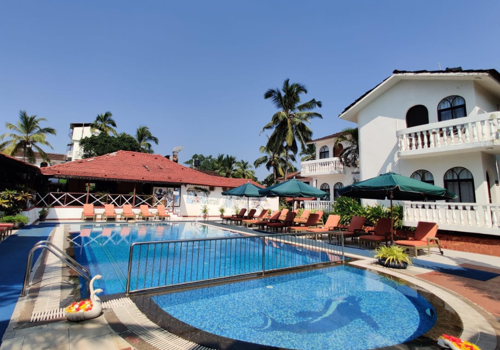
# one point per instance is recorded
(340, 307)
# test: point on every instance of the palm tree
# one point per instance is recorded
(143, 136)
(244, 170)
(26, 137)
(275, 160)
(289, 123)
(350, 154)
(105, 123)
(308, 153)
(224, 165)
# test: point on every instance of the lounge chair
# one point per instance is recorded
(109, 212)
(250, 216)
(263, 223)
(332, 223)
(382, 233)
(312, 220)
(145, 214)
(5, 229)
(128, 213)
(88, 212)
(253, 221)
(287, 222)
(354, 230)
(161, 213)
(425, 236)
(303, 218)
(239, 215)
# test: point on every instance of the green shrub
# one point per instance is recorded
(373, 214)
(347, 208)
(15, 218)
(13, 202)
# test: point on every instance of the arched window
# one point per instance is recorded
(424, 176)
(325, 187)
(417, 115)
(324, 152)
(337, 151)
(460, 181)
(336, 189)
(451, 107)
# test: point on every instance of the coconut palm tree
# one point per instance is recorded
(143, 136)
(105, 123)
(244, 170)
(289, 123)
(308, 153)
(275, 160)
(225, 165)
(27, 137)
(350, 154)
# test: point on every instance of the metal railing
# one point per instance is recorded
(160, 265)
(65, 258)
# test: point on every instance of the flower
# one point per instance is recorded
(455, 343)
(77, 306)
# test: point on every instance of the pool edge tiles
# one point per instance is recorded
(207, 339)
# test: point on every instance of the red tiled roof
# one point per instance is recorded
(140, 167)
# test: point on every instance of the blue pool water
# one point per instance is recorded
(105, 250)
(340, 307)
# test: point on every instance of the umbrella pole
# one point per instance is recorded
(392, 220)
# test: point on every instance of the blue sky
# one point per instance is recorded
(195, 72)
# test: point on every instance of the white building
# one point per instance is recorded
(440, 127)
(326, 172)
(77, 132)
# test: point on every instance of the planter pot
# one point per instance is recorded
(42, 217)
(401, 265)
(18, 225)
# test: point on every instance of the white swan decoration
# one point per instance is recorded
(77, 311)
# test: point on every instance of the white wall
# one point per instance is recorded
(484, 100)
(79, 133)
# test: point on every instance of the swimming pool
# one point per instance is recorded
(105, 250)
(340, 307)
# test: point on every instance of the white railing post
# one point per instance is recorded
(467, 132)
(469, 218)
(483, 130)
(478, 222)
(487, 218)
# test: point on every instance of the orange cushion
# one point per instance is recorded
(372, 238)
(412, 243)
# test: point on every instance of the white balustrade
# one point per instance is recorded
(322, 167)
(325, 206)
(465, 217)
(462, 131)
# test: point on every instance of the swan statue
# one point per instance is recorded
(86, 309)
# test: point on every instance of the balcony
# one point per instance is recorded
(469, 134)
(325, 166)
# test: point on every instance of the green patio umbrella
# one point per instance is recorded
(292, 188)
(247, 190)
(394, 186)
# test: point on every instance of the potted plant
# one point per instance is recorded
(43, 213)
(18, 220)
(392, 256)
(204, 211)
(222, 211)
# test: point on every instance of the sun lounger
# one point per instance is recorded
(88, 212)
(145, 214)
(303, 218)
(381, 234)
(109, 212)
(425, 237)
(312, 220)
(332, 223)
(161, 213)
(250, 216)
(288, 221)
(261, 224)
(250, 222)
(128, 213)
(354, 230)
(239, 215)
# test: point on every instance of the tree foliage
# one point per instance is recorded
(350, 154)
(98, 145)
(289, 123)
(144, 136)
(224, 165)
(104, 123)
(276, 161)
(26, 137)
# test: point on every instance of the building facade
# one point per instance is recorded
(440, 127)
(77, 132)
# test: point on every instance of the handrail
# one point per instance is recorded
(183, 261)
(50, 247)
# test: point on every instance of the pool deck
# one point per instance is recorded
(122, 326)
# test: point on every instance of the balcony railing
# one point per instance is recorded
(325, 206)
(479, 130)
(322, 167)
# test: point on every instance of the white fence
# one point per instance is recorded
(325, 206)
(321, 167)
(462, 131)
(464, 217)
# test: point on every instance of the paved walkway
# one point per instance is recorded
(137, 332)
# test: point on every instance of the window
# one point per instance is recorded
(325, 187)
(417, 115)
(451, 107)
(424, 176)
(336, 189)
(338, 150)
(324, 152)
(460, 181)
